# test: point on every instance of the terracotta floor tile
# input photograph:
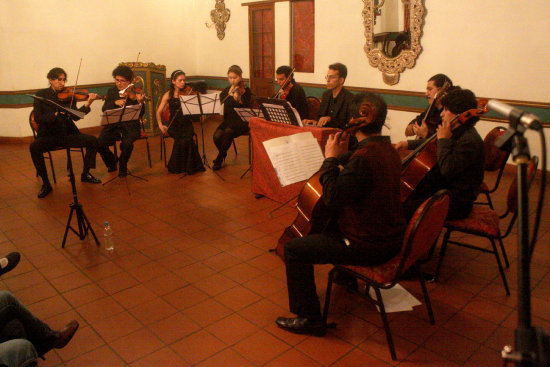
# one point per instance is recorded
(215, 284)
(377, 345)
(359, 358)
(174, 328)
(326, 350)
(83, 341)
(232, 329)
(227, 357)
(49, 307)
(221, 261)
(134, 296)
(153, 310)
(100, 309)
(451, 346)
(237, 298)
(117, 326)
(100, 357)
(198, 347)
(470, 326)
(424, 357)
(484, 357)
(83, 295)
(242, 273)
(185, 297)
(195, 272)
(148, 271)
(488, 310)
(70, 281)
(165, 284)
(163, 357)
(37, 292)
(261, 347)
(136, 345)
(117, 283)
(207, 312)
(294, 358)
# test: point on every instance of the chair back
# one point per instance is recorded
(33, 124)
(512, 199)
(313, 105)
(495, 158)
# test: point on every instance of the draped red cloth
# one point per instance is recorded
(264, 178)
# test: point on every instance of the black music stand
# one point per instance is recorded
(118, 116)
(83, 223)
(201, 105)
(246, 114)
(279, 110)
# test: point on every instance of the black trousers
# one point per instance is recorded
(223, 137)
(127, 133)
(322, 248)
(42, 144)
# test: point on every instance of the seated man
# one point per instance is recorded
(293, 92)
(336, 103)
(361, 190)
(56, 129)
(460, 158)
(416, 127)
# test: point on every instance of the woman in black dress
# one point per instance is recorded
(235, 95)
(185, 156)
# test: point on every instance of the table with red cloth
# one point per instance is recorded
(264, 177)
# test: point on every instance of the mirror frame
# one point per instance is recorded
(392, 66)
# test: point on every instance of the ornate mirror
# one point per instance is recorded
(392, 31)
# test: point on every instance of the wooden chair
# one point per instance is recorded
(495, 160)
(313, 105)
(421, 233)
(48, 155)
(485, 222)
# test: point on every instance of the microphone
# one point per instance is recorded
(527, 119)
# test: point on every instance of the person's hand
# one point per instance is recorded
(335, 145)
(309, 122)
(120, 102)
(323, 121)
(421, 130)
(140, 97)
(401, 145)
(444, 131)
(163, 129)
(91, 98)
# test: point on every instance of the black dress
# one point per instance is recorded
(185, 156)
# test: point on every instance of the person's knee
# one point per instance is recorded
(18, 352)
(7, 297)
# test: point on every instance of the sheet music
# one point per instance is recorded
(246, 113)
(210, 104)
(131, 113)
(295, 157)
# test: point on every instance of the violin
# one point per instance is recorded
(282, 93)
(239, 88)
(165, 113)
(78, 95)
(420, 161)
(132, 91)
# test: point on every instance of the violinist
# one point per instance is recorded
(58, 130)
(128, 131)
(361, 190)
(433, 118)
(336, 102)
(291, 91)
(235, 95)
(460, 158)
(185, 156)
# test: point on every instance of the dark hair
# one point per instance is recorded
(235, 69)
(124, 71)
(173, 77)
(55, 73)
(380, 111)
(458, 100)
(440, 79)
(340, 68)
(286, 70)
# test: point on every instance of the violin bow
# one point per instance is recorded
(288, 78)
(76, 82)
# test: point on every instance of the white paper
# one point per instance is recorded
(295, 157)
(246, 113)
(210, 104)
(131, 112)
(396, 299)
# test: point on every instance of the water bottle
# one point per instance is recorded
(108, 237)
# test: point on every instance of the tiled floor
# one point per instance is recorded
(191, 281)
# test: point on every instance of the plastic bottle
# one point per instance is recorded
(108, 237)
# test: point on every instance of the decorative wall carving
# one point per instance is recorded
(220, 16)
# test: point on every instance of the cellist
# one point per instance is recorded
(361, 189)
(460, 158)
(291, 91)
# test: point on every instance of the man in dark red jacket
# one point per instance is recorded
(361, 190)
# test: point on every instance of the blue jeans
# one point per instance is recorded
(18, 353)
(30, 327)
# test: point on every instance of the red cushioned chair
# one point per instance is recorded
(421, 233)
(313, 105)
(485, 222)
(495, 160)
(48, 154)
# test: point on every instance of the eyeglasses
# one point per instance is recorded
(330, 77)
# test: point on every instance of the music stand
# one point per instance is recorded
(83, 223)
(279, 110)
(116, 116)
(201, 105)
(246, 114)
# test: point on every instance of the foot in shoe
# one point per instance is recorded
(111, 168)
(44, 191)
(9, 262)
(87, 177)
(216, 166)
(302, 325)
(66, 334)
(122, 172)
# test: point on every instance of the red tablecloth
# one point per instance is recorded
(264, 178)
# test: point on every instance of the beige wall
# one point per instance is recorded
(496, 48)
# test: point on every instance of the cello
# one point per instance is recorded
(420, 161)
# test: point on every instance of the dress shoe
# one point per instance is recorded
(44, 191)
(89, 178)
(66, 334)
(12, 261)
(122, 172)
(111, 168)
(301, 325)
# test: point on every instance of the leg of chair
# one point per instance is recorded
(82, 152)
(327, 295)
(425, 292)
(234, 146)
(380, 303)
(500, 269)
(489, 202)
(148, 152)
(51, 165)
(442, 254)
(504, 253)
(161, 143)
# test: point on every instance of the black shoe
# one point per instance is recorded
(66, 334)
(89, 178)
(111, 168)
(44, 191)
(13, 259)
(301, 325)
(122, 172)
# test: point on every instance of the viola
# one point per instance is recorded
(78, 95)
(131, 92)
(286, 90)
(420, 161)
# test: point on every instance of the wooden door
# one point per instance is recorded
(261, 26)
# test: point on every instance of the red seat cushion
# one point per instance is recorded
(382, 274)
(482, 221)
